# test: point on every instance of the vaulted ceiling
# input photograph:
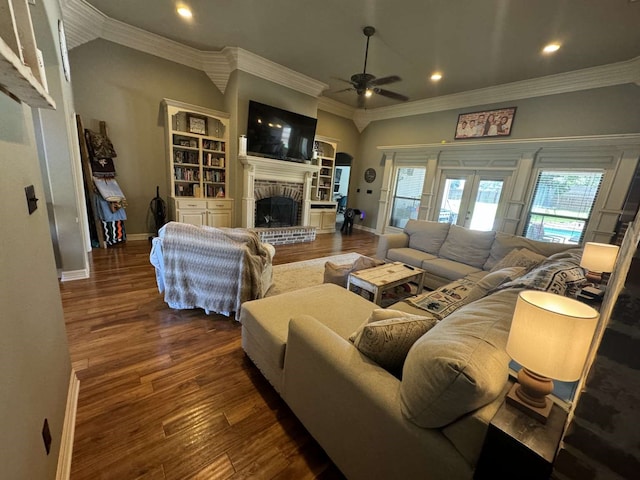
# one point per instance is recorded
(474, 44)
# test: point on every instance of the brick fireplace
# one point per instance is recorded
(267, 178)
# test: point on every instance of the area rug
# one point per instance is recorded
(297, 275)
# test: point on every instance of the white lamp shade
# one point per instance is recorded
(599, 257)
(550, 334)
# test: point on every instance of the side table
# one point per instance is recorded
(377, 280)
(518, 446)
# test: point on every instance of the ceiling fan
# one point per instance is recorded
(366, 84)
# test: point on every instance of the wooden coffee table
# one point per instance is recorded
(377, 280)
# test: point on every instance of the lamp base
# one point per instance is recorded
(539, 413)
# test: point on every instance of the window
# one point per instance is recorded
(406, 197)
(562, 204)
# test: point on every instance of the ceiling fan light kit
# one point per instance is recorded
(366, 85)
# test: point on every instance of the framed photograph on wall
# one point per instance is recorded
(489, 123)
(197, 124)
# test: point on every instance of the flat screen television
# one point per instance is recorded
(276, 133)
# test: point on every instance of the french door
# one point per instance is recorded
(471, 198)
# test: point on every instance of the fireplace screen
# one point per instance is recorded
(276, 212)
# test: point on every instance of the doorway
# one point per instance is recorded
(471, 198)
(341, 185)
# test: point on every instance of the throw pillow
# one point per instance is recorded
(339, 274)
(447, 299)
(387, 336)
(521, 257)
(493, 280)
(561, 277)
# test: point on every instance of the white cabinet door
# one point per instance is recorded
(315, 218)
(193, 217)
(219, 218)
(328, 220)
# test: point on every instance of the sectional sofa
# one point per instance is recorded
(426, 420)
(449, 252)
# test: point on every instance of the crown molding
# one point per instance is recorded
(330, 105)
(274, 72)
(84, 23)
(585, 79)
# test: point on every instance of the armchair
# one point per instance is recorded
(216, 269)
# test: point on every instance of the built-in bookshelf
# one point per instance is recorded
(197, 159)
(323, 209)
(325, 156)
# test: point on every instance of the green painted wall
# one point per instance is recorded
(34, 359)
(124, 88)
(600, 111)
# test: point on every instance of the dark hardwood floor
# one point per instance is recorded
(169, 394)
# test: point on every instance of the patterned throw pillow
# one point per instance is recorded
(387, 336)
(561, 277)
(446, 299)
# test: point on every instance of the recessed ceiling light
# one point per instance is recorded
(436, 76)
(185, 12)
(551, 48)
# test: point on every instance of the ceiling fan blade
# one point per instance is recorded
(342, 80)
(389, 94)
(385, 80)
(343, 90)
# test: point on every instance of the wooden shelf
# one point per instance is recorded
(198, 202)
(17, 79)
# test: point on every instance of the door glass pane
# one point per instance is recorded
(450, 207)
(406, 198)
(561, 206)
(486, 204)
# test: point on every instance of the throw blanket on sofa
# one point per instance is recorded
(216, 269)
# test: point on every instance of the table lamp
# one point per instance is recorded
(550, 337)
(598, 258)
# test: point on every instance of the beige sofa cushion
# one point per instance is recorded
(505, 242)
(471, 247)
(426, 236)
(410, 256)
(449, 269)
(459, 365)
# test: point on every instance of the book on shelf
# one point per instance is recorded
(196, 190)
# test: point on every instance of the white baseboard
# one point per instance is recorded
(139, 236)
(68, 429)
(69, 275)
(366, 229)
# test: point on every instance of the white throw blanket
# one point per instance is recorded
(216, 269)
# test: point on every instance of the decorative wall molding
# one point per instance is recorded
(623, 141)
(84, 23)
(63, 472)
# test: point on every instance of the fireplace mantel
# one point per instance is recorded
(276, 170)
